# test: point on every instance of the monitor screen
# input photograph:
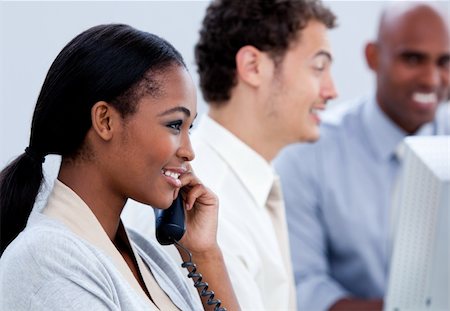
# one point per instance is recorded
(419, 269)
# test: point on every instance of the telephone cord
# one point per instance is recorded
(197, 278)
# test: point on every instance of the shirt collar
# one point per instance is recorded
(384, 135)
(255, 173)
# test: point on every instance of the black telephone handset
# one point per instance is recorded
(170, 227)
(170, 222)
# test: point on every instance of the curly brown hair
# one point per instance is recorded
(269, 25)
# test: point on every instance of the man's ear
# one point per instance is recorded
(104, 118)
(250, 65)
(372, 55)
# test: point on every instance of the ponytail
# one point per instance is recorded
(114, 63)
(20, 182)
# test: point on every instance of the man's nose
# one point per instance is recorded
(431, 75)
(328, 88)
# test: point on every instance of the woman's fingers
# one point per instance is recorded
(194, 191)
(201, 195)
(188, 179)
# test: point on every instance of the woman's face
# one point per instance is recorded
(153, 147)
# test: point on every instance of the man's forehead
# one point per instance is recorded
(313, 37)
(410, 20)
(414, 27)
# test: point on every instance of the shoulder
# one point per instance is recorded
(41, 237)
(44, 256)
(45, 243)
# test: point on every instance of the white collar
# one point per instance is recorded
(255, 173)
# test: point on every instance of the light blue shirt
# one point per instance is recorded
(337, 193)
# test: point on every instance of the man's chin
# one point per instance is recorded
(313, 137)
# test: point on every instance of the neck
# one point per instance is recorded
(85, 180)
(246, 118)
(406, 126)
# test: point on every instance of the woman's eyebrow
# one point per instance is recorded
(184, 110)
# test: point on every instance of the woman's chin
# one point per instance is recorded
(169, 200)
(160, 203)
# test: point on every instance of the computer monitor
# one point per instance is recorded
(419, 270)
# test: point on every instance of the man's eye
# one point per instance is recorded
(319, 67)
(412, 59)
(444, 62)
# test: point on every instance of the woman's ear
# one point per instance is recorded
(104, 119)
(249, 65)
(371, 52)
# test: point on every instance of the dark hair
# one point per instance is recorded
(114, 63)
(268, 25)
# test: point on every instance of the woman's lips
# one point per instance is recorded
(172, 176)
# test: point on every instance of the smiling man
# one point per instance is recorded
(338, 190)
(264, 70)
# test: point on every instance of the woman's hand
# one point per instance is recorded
(201, 206)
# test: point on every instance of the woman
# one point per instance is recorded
(117, 105)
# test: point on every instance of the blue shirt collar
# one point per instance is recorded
(384, 135)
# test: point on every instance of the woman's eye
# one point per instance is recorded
(175, 125)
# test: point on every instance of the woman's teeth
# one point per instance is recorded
(425, 98)
(171, 174)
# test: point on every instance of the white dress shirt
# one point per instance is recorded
(242, 180)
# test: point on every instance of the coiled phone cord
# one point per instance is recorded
(198, 281)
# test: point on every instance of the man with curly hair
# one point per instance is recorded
(264, 71)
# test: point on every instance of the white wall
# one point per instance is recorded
(32, 33)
